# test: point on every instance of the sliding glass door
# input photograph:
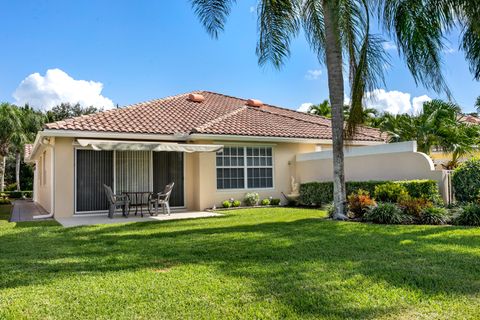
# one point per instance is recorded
(126, 171)
(94, 169)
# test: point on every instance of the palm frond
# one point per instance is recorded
(212, 14)
(278, 24)
(314, 27)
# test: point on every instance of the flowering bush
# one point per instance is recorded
(251, 199)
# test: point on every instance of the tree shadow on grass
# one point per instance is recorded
(289, 261)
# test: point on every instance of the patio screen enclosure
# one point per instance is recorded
(126, 171)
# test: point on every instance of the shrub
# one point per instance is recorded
(226, 204)
(321, 193)
(414, 206)
(236, 203)
(466, 180)
(265, 202)
(275, 202)
(5, 201)
(386, 213)
(390, 192)
(426, 189)
(251, 198)
(434, 215)
(469, 215)
(359, 202)
(16, 194)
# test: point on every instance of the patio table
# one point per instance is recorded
(138, 199)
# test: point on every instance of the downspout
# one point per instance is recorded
(52, 175)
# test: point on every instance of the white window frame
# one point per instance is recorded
(246, 167)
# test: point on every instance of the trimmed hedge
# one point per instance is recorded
(321, 193)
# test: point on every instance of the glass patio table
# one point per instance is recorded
(138, 199)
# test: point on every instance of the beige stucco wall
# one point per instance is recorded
(204, 179)
(64, 177)
(389, 164)
(43, 183)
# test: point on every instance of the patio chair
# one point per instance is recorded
(161, 199)
(115, 201)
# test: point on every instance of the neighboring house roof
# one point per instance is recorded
(217, 114)
(468, 118)
(27, 151)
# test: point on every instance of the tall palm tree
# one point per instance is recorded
(10, 125)
(31, 122)
(477, 104)
(338, 29)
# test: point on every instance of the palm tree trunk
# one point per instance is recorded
(333, 51)
(3, 160)
(17, 169)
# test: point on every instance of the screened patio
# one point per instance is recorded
(129, 166)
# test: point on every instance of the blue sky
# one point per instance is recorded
(140, 50)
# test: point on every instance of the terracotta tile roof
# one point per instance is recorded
(217, 114)
(27, 151)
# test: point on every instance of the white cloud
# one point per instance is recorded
(252, 9)
(304, 107)
(388, 45)
(313, 74)
(56, 87)
(417, 103)
(394, 102)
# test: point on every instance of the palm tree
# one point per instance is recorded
(31, 122)
(338, 29)
(322, 109)
(477, 104)
(10, 125)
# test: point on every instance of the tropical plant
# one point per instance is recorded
(226, 204)
(469, 215)
(10, 126)
(236, 203)
(414, 206)
(386, 213)
(359, 202)
(434, 215)
(338, 29)
(477, 104)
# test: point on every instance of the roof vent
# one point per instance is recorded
(195, 97)
(254, 103)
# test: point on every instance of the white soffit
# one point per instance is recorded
(147, 146)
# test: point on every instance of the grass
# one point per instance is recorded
(256, 263)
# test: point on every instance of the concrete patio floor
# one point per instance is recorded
(89, 220)
(25, 210)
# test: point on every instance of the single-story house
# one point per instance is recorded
(213, 146)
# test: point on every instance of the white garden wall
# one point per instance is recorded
(394, 161)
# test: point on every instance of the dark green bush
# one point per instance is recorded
(466, 180)
(321, 193)
(15, 194)
(275, 202)
(386, 213)
(435, 215)
(391, 192)
(11, 187)
(469, 215)
(5, 201)
(426, 189)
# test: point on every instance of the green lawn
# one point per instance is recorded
(257, 263)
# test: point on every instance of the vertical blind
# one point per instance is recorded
(133, 172)
(94, 169)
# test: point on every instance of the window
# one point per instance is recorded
(244, 167)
